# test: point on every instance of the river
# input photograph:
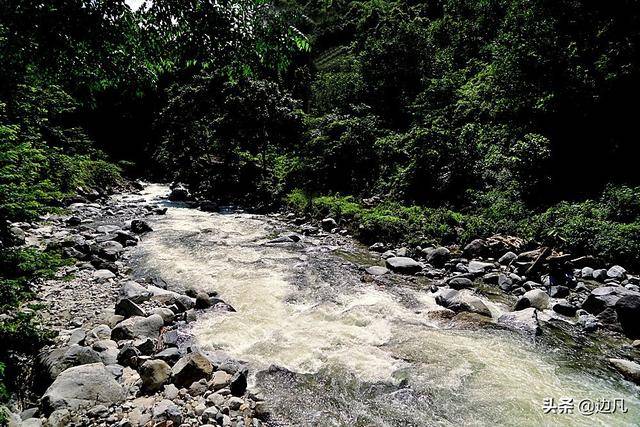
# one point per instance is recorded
(326, 348)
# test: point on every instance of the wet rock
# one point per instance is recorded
(462, 302)
(628, 314)
(599, 275)
(616, 272)
(85, 385)
(138, 327)
(110, 250)
(507, 258)
(376, 270)
(154, 374)
(404, 265)
(220, 379)
(438, 256)
(604, 297)
(460, 283)
(565, 308)
(558, 291)
(127, 308)
(588, 321)
(505, 282)
(478, 267)
(73, 220)
(525, 321)
(140, 226)
(135, 292)
(190, 368)
(203, 300)
(586, 273)
(169, 355)
(60, 359)
(475, 248)
(179, 194)
(238, 384)
(378, 247)
(629, 369)
(536, 298)
(328, 224)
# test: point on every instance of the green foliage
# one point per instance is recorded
(297, 201)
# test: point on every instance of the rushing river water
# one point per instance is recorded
(329, 349)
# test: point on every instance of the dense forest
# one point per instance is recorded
(408, 121)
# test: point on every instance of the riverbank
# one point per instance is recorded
(320, 327)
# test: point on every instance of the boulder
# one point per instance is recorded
(628, 313)
(477, 267)
(599, 275)
(135, 292)
(154, 374)
(462, 302)
(139, 226)
(82, 386)
(404, 265)
(328, 224)
(586, 273)
(179, 194)
(629, 369)
(127, 308)
(604, 297)
(377, 270)
(238, 384)
(507, 258)
(617, 272)
(475, 248)
(110, 250)
(460, 283)
(167, 413)
(138, 327)
(536, 298)
(60, 359)
(103, 274)
(17, 237)
(203, 300)
(525, 321)
(565, 308)
(190, 368)
(438, 256)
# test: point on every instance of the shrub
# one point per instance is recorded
(297, 201)
(340, 208)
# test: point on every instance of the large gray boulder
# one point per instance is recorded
(154, 374)
(82, 386)
(478, 267)
(138, 327)
(190, 368)
(617, 272)
(60, 359)
(405, 265)
(438, 256)
(525, 321)
(536, 298)
(135, 292)
(110, 250)
(605, 297)
(459, 302)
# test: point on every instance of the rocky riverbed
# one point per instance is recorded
(176, 315)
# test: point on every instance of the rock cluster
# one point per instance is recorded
(123, 356)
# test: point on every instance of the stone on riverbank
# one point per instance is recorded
(404, 265)
(85, 385)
